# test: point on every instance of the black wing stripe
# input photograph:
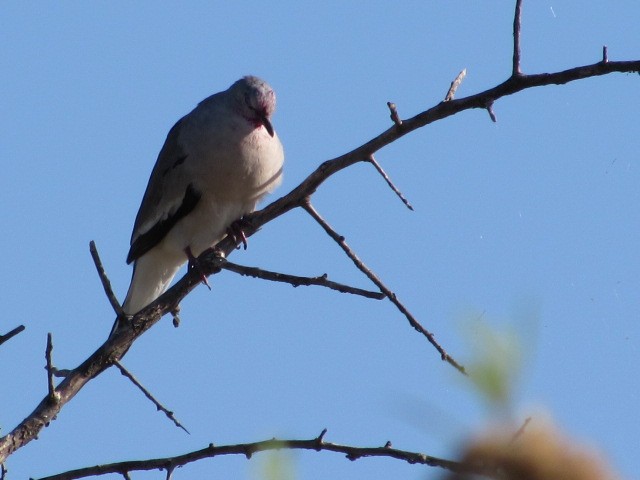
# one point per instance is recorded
(155, 234)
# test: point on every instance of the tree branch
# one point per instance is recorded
(106, 284)
(248, 449)
(161, 408)
(386, 178)
(297, 281)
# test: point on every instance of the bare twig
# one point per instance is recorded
(248, 449)
(517, 25)
(605, 54)
(297, 281)
(11, 334)
(149, 395)
(454, 85)
(520, 430)
(339, 239)
(384, 175)
(53, 397)
(3, 472)
(394, 114)
(106, 284)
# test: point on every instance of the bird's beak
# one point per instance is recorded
(267, 124)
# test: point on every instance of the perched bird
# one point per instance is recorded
(216, 164)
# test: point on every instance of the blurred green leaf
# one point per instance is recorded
(278, 465)
(496, 363)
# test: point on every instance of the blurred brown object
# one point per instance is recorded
(537, 452)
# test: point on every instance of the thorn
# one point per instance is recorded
(454, 85)
(394, 113)
(491, 113)
(176, 317)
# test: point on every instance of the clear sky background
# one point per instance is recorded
(530, 224)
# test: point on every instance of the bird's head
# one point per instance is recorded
(256, 100)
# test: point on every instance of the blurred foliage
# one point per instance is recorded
(499, 351)
(277, 465)
(496, 364)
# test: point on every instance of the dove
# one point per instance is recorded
(217, 163)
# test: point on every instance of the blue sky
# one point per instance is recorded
(530, 224)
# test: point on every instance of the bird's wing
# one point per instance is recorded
(169, 197)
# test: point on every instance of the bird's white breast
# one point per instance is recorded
(232, 168)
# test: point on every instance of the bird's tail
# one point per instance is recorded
(152, 274)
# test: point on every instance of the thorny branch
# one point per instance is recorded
(106, 284)
(147, 393)
(384, 175)
(297, 281)
(248, 449)
(339, 239)
(117, 345)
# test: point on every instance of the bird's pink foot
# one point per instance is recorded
(193, 263)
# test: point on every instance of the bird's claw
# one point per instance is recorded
(236, 232)
(195, 264)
